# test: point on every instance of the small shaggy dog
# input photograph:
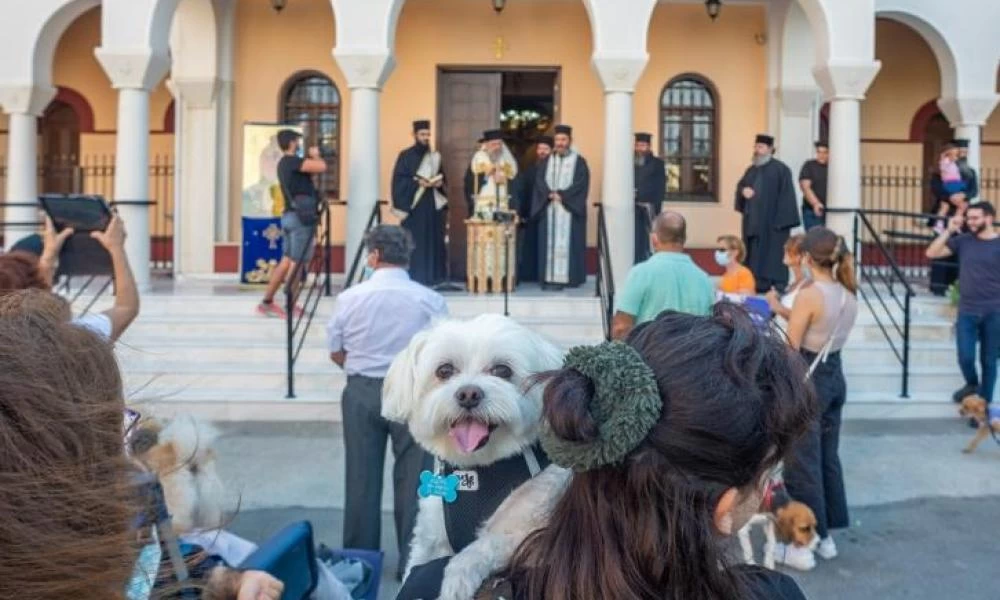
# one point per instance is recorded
(180, 453)
(974, 407)
(794, 521)
(463, 389)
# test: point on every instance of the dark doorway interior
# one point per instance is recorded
(521, 102)
(60, 149)
(937, 133)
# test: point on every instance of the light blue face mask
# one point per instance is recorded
(722, 258)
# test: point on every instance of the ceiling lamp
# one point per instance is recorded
(498, 5)
(713, 7)
(279, 5)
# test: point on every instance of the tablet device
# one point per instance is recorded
(81, 213)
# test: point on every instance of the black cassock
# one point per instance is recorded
(424, 222)
(574, 200)
(650, 187)
(470, 193)
(527, 262)
(767, 219)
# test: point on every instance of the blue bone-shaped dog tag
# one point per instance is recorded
(432, 484)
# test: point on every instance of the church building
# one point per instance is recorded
(165, 105)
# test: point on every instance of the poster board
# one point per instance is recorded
(262, 201)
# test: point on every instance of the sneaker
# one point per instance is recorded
(270, 309)
(827, 549)
(964, 391)
(801, 559)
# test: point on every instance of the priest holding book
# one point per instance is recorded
(494, 169)
(419, 202)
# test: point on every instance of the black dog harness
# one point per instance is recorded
(482, 489)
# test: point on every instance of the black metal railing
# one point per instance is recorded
(95, 175)
(884, 287)
(605, 288)
(355, 272)
(310, 281)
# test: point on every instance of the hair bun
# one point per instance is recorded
(567, 406)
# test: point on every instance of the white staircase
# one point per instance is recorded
(198, 347)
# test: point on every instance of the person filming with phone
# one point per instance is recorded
(298, 222)
(22, 270)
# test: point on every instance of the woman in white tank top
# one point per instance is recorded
(819, 324)
(782, 305)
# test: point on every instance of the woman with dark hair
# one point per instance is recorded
(672, 437)
(819, 325)
(66, 503)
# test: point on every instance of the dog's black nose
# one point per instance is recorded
(469, 396)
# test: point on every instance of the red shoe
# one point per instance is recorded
(271, 309)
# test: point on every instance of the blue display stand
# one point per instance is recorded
(261, 250)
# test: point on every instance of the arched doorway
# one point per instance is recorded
(931, 128)
(60, 149)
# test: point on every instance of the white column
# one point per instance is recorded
(795, 128)
(23, 105)
(844, 189)
(363, 170)
(132, 178)
(365, 72)
(226, 14)
(844, 85)
(133, 74)
(619, 72)
(22, 177)
(618, 185)
(194, 214)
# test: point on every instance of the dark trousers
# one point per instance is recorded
(365, 436)
(944, 272)
(984, 330)
(810, 219)
(813, 474)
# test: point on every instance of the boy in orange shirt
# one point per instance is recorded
(737, 279)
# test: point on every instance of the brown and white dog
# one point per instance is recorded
(974, 406)
(784, 519)
(180, 452)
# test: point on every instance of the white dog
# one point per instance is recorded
(460, 387)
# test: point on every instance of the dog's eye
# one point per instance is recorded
(502, 371)
(445, 371)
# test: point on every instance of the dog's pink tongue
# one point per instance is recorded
(469, 434)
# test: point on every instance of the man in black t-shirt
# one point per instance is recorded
(295, 177)
(978, 254)
(812, 181)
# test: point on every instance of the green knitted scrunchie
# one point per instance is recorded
(626, 405)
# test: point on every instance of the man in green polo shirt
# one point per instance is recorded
(667, 280)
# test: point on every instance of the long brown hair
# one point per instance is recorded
(19, 271)
(734, 402)
(829, 251)
(65, 505)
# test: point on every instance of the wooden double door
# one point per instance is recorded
(468, 103)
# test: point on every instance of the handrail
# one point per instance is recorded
(605, 284)
(299, 279)
(375, 218)
(887, 271)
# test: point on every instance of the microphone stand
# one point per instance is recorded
(447, 285)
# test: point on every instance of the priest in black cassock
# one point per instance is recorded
(650, 187)
(559, 206)
(527, 263)
(418, 200)
(766, 197)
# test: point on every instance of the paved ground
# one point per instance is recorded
(924, 515)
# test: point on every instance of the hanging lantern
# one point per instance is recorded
(713, 7)
(498, 5)
(279, 5)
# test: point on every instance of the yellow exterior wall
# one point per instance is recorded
(76, 67)
(683, 40)
(269, 49)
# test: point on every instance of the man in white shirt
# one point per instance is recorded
(372, 322)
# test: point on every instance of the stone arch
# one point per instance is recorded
(52, 29)
(79, 104)
(378, 20)
(819, 23)
(939, 45)
(194, 34)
